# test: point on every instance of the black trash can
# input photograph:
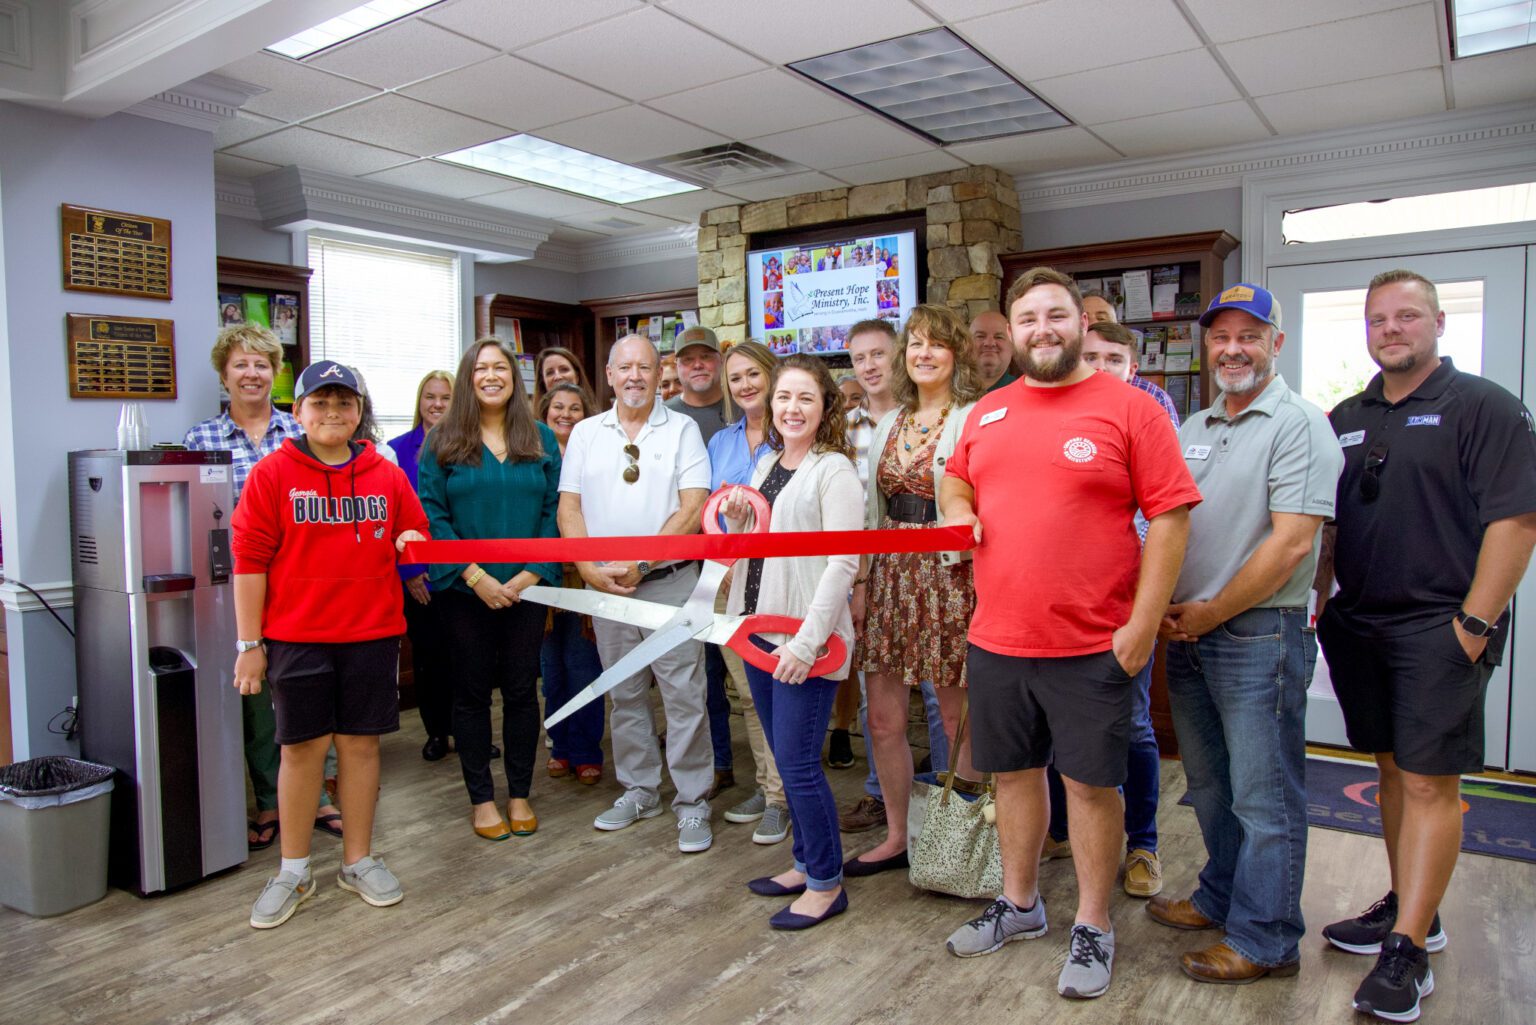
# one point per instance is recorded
(55, 820)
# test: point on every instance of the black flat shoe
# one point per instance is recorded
(857, 869)
(435, 749)
(788, 920)
(766, 887)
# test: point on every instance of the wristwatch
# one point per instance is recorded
(241, 647)
(1473, 625)
(644, 568)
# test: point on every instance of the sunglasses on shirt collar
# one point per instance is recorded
(1370, 481)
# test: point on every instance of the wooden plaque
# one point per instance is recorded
(115, 253)
(121, 357)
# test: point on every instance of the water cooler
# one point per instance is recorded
(155, 653)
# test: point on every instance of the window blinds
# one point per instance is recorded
(391, 313)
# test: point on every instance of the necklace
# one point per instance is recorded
(912, 431)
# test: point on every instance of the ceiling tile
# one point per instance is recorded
(407, 51)
(634, 221)
(508, 24)
(1057, 37)
(1038, 151)
(650, 54)
(1494, 78)
(241, 127)
(294, 91)
(1115, 92)
(1341, 51)
(788, 185)
(239, 167)
(404, 124)
(514, 93)
(685, 207)
(898, 167)
(1225, 21)
(959, 10)
(853, 140)
(631, 134)
(441, 179)
(1224, 124)
(791, 30)
(541, 202)
(319, 152)
(1356, 103)
(769, 101)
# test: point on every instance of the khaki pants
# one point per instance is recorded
(736, 680)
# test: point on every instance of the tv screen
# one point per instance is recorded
(804, 298)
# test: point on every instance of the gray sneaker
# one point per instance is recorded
(774, 825)
(693, 835)
(749, 810)
(630, 808)
(280, 898)
(1090, 956)
(1002, 922)
(370, 880)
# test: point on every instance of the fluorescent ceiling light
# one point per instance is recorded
(536, 160)
(935, 84)
(1487, 26)
(345, 26)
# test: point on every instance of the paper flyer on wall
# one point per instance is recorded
(1138, 294)
(1165, 291)
(510, 331)
(231, 309)
(285, 318)
(258, 309)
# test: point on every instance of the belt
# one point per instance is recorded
(664, 572)
(907, 508)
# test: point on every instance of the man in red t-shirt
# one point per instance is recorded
(1061, 629)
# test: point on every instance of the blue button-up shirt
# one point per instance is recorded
(729, 460)
(222, 434)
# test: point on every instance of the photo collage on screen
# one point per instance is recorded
(878, 252)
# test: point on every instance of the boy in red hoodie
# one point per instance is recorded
(318, 608)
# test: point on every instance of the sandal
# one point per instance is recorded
(558, 767)
(589, 774)
(329, 824)
(266, 833)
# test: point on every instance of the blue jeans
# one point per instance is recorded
(568, 662)
(795, 718)
(718, 706)
(938, 740)
(1143, 775)
(1239, 698)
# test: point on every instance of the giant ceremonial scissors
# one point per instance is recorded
(672, 626)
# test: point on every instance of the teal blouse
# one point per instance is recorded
(492, 500)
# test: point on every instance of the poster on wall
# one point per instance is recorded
(805, 298)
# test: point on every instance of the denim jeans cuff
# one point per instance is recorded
(823, 885)
(1202, 907)
(1248, 955)
(800, 867)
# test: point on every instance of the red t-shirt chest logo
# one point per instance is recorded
(1079, 449)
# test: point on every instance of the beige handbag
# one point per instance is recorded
(952, 843)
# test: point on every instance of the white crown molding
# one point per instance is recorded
(560, 256)
(14, 598)
(19, 53)
(202, 103)
(1488, 128)
(234, 197)
(630, 250)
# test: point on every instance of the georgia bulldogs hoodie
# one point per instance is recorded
(325, 537)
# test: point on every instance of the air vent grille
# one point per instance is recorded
(85, 549)
(724, 165)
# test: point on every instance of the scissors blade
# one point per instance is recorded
(637, 658)
(647, 615)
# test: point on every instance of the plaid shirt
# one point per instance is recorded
(861, 434)
(1163, 399)
(222, 432)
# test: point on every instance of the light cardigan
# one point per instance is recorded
(823, 494)
(874, 501)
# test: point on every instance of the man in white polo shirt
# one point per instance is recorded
(642, 469)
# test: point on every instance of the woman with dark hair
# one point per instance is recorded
(918, 604)
(811, 484)
(490, 470)
(556, 364)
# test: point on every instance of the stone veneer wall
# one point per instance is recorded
(973, 215)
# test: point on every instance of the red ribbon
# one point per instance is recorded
(691, 546)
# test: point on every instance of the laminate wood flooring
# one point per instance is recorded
(577, 926)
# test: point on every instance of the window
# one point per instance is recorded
(392, 314)
(1503, 204)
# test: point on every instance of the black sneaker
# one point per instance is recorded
(1401, 978)
(840, 750)
(1364, 933)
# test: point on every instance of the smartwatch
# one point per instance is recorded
(241, 647)
(1473, 625)
(644, 568)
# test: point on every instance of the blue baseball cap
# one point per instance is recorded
(323, 374)
(1254, 300)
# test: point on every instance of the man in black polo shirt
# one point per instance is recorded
(1435, 521)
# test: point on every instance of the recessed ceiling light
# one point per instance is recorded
(345, 26)
(935, 84)
(1487, 26)
(531, 159)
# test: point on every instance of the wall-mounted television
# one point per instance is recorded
(803, 296)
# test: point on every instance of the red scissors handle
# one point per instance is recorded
(741, 644)
(761, 511)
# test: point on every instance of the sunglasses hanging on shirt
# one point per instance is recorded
(1370, 482)
(632, 471)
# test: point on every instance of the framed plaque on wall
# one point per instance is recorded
(121, 357)
(115, 253)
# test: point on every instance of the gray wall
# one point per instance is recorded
(248, 240)
(660, 276)
(119, 163)
(526, 282)
(1220, 210)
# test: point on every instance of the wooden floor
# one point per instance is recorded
(574, 925)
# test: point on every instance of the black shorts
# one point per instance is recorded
(1414, 696)
(1025, 710)
(318, 689)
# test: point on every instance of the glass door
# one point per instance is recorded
(1483, 293)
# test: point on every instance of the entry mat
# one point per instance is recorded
(1498, 819)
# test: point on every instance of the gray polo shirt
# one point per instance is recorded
(1278, 455)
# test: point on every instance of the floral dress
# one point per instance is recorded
(918, 610)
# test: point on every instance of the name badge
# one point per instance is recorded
(1352, 438)
(993, 417)
(1428, 420)
(1197, 452)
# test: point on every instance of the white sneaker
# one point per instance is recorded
(630, 808)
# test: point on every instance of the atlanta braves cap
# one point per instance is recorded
(1253, 300)
(323, 374)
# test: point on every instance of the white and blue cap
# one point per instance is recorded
(323, 374)
(1254, 300)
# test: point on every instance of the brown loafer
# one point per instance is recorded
(1177, 914)
(1222, 964)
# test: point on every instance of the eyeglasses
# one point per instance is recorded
(632, 471)
(1370, 483)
